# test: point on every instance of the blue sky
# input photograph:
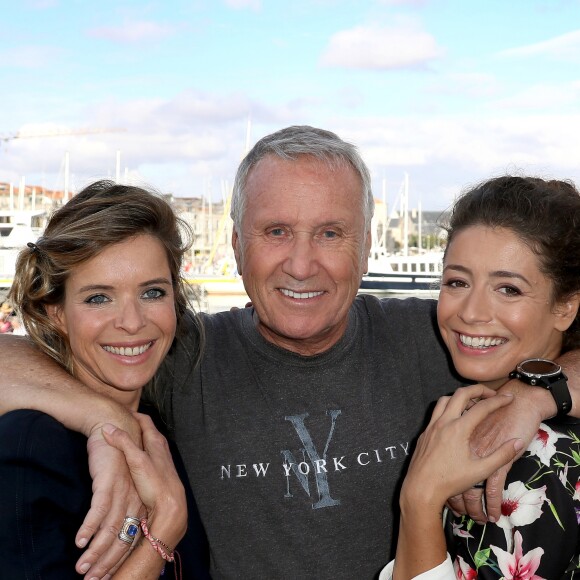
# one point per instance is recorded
(448, 91)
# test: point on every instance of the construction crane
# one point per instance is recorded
(57, 133)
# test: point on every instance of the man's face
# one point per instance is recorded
(302, 250)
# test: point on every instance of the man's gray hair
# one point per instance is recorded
(292, 142)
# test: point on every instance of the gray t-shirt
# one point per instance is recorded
(295, 462)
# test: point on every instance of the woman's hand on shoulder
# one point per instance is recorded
(444, 463)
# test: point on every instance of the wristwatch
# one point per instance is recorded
(545, 373)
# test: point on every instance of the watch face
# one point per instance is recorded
(540, 367)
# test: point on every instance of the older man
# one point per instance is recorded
(296, 425)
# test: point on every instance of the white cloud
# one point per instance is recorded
(133, 32)
(566, 47)
(443, 154)
(182, 113)
(375, 47)
(181, 143)
(175, 144)
(482, 143)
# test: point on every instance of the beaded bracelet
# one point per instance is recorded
(160, 547)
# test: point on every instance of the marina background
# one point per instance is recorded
(405, 256)
(437, 94)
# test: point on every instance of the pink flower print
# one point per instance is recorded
(459, 531)
(520, 506)
(576, 496)
(518, 566)
(543, 445)
(463, 570)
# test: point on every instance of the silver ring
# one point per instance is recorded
(129, 530)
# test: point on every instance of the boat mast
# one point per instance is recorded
(118, 167)
(405, 211)
(419, 242)
(385, 216)
(21, 190)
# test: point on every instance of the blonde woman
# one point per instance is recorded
(100, 292)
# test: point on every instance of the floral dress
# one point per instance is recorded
(537, 535)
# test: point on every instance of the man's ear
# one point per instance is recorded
(566, 311)
(56, 314)
(236, 245)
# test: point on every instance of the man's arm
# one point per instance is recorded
(31, 380)
(570, 362)
(521, 419)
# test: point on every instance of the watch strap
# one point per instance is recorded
(561, 394)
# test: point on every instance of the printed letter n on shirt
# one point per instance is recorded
(313, 463)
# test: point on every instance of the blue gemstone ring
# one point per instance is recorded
(130, 530)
